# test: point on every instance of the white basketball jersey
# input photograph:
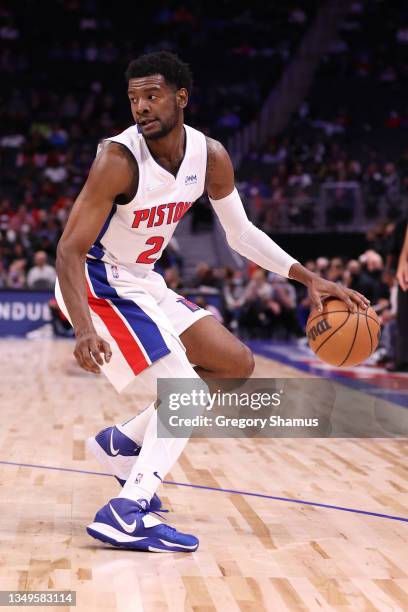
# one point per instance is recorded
(138, 232)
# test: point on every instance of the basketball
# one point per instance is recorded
(342, 338)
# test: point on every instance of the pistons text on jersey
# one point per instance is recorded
(161, 214)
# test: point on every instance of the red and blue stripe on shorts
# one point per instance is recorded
(138, 337)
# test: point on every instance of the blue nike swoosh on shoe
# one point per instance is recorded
(115, 443)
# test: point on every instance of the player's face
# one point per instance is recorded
(156, 106)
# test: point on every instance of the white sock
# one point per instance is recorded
(158, 455)
(135, 428)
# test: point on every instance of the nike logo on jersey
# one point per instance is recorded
(113, 451)
(157, 476)
(128, 527)
(161, 214)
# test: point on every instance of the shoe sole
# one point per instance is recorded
(110, 535)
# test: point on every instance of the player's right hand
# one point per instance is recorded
(88, 350)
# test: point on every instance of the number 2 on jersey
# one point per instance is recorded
(146, 256)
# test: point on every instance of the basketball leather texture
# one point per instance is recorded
(342, 338)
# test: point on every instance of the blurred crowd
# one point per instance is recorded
(311, 181)
(95, 41)
(28, 241)
(48, 135)
(343, 160)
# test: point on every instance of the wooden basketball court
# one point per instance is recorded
(324, 528)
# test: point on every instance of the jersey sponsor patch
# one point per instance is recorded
(191, 179)
(188, 304)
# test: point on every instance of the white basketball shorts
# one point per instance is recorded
(135, 312)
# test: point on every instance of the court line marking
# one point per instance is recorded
(220, 490)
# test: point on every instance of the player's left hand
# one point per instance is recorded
(320, 288)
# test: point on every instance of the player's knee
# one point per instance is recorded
(244, 362)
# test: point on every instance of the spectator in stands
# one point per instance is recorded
(259, 310)
(322, 266)
(335, 270)
(356, 278)
(300, 210)
(403, 168)
(3, 275)
(300, 178)
(6, 213)
(233, 291)
(16, 277)
(373, 264)
(254, 304)
(41, 275)
(284, 294)
(392, 189)
(173, 279)
(204, 277)
(55, 171)
(23, 219)
(310, 264)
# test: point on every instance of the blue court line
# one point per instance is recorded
(220, 490)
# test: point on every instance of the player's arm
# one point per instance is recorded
(402, 270)
(251, 242)
(112, 174)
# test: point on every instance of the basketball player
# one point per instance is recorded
(127, 322)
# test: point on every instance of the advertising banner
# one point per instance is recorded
(23, 311)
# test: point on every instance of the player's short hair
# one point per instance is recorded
(170, 66)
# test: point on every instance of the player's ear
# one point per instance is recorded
(182, 97)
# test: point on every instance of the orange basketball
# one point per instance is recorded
(340, 337)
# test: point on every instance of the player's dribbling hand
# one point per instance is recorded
(402, 273)
(88, 350)
(320, 288)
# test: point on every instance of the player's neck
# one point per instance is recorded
(169, 150)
